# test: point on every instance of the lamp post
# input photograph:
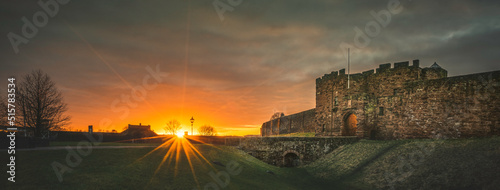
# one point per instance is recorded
(192, 121)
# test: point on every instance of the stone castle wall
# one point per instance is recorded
(462, 106)
(402, 101)
(301, 122)
(408, 102)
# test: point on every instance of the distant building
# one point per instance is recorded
(139, 131)
(139, 127)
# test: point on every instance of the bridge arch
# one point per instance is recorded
(350, 124)
(292, 158)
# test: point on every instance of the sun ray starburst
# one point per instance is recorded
(174, 147)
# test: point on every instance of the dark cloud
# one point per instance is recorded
(265, 55)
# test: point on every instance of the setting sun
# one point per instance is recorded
(180, 134)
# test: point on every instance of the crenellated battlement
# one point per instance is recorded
(383, 68)
(432, 72)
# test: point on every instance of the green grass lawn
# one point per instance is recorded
(75, 143)
(403, 164)
(298, 135)
(122, 169)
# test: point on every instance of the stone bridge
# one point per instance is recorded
(292, 151)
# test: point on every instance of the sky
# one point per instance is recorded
(228, 64)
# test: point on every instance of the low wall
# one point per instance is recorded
(301, 122)
(215, 140)
(272, 150)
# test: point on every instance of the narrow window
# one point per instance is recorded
(381, 111)
(336, 101)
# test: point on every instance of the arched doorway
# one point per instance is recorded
(350, 125)
(291, 160)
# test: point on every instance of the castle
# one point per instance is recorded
(399, 102)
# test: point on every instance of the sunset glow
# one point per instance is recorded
(180, 134)
(178, 149)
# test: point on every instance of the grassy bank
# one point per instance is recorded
(413, 164)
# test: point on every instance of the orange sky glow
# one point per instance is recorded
(230, 112)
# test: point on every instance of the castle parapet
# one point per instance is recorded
(401, 64)
(356, 76)
(383, 67)
(342, 72)
(434, 72)
(429, 73)
(333, 74)
(416, 63)
(369, 72)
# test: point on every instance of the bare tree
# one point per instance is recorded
(207, 130)
(172, 127)
(41, 104)
(3, 111)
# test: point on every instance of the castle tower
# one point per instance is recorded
(434, 72)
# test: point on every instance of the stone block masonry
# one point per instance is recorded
(292, 151)
(401, 102)
(301, 122)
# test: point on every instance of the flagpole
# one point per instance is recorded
(348, 66)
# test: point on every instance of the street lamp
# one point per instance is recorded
(192, 121)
